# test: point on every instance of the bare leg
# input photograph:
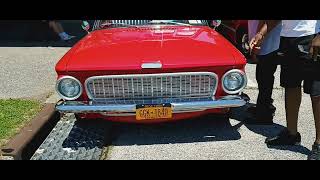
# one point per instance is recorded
(54, 25)
(292, 101)
(316, 114)
(60, 28)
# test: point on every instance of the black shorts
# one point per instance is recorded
(297, 66)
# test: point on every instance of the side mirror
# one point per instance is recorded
(215, 23)
(85, 26)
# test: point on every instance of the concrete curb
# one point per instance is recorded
(22, 146)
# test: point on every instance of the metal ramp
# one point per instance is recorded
(73, 140)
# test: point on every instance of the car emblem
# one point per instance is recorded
(151, 65)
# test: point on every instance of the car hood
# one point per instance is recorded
(172, 46)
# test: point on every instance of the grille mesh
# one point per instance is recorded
(174, 85)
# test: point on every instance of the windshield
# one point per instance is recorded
(100, 24)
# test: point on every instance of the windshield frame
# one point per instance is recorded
(119, 24)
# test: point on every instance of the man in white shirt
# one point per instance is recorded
(266, 58)
(300, 62)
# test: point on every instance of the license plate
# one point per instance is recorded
(149, 112)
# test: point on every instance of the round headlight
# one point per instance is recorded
(69, 88)
(234, 81)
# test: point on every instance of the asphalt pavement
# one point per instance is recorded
(27, 67)
(28, 72)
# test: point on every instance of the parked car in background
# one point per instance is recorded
(150, 71)
(236, 31)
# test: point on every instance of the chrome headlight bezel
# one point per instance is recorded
(238, 90)
(61, 94)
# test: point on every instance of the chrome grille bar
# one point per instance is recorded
(146, 86)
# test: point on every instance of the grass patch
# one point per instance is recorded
(15, 114)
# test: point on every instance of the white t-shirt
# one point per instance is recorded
(299, 28)
(271, 42)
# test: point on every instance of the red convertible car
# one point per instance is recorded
(150, 71)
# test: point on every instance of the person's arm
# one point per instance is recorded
(256, 41)
(267, 26)
(264, 27)
(315, 46)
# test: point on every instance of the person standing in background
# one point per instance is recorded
(58, 29)
(267, 61)
(300, 62)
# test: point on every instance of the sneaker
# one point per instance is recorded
(284, 138)
(315, 153)
(68, 37)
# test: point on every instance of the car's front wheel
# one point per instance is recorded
(243, 42)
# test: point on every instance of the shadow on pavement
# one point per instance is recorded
(240, 114)
(205, 129)
(266, 130)
(87, 134)
(98, 134)
(298, 149)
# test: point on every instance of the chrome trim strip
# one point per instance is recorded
(153, 65)
(128, 109)
(152, 75)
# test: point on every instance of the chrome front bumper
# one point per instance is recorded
(126, 108)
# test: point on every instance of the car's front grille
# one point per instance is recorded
(148, 86)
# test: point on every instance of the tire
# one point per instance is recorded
(243, 42)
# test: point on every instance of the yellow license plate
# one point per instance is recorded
(149, 112)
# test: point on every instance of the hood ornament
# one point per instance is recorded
(151, 65)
